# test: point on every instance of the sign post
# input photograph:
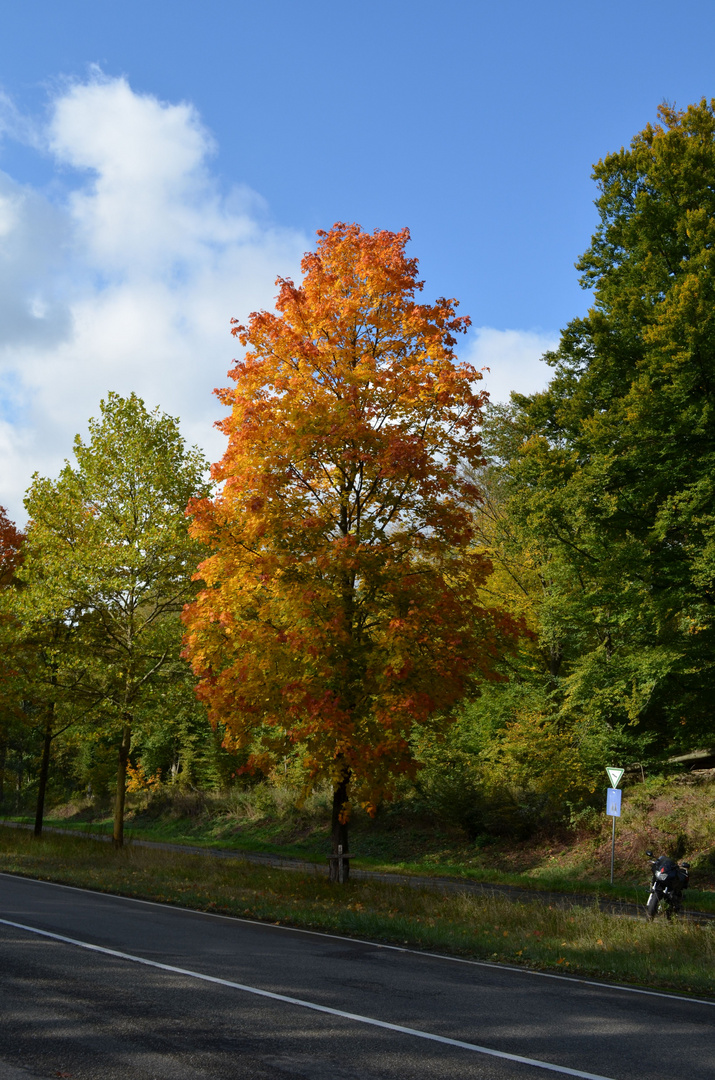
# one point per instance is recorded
(613, 808)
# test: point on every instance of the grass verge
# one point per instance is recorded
(580, 941)
(557, 879)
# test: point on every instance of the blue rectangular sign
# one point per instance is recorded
(613, 802)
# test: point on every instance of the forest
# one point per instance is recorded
(390, 588)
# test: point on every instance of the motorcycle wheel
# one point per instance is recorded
(652, 905)
(673, 908)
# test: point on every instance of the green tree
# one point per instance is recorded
(109, 558)
(610, 472)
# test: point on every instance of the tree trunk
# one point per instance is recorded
(44, 769)
(118, 837)
(340, 830)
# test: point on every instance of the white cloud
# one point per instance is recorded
(513, 358)
(130, 284)
(32, 233)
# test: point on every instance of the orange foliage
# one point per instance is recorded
(341, 601)
(137, 780)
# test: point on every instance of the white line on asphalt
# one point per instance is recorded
(307, 1004)
(373, 944)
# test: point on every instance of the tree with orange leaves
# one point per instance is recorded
(341, 601)
(11, 685)
(11, 541)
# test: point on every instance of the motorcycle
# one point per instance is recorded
(669, 878)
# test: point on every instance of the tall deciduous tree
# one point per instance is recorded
(612, 468)
(341, 601)
(108, 557)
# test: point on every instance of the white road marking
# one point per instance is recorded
(372, 944)
(356, 1017)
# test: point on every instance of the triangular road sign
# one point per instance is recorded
(614, 775)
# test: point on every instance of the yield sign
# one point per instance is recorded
(614, 775)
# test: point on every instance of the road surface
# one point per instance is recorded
(95, 986)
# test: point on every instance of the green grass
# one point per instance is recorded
(677, 956)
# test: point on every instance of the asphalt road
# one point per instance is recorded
(144, 991)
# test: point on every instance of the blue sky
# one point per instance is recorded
(161, 162)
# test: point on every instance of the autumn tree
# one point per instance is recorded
(11, 544)
(108, 566)
(11, 541)
(611, 470)
(340, 606)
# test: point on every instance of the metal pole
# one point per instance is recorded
(613, 846)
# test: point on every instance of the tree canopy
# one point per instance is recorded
(610, 473)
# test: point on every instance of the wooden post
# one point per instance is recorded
(340, 865)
